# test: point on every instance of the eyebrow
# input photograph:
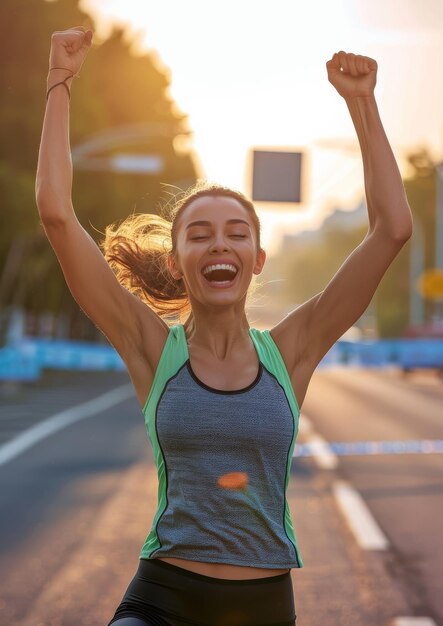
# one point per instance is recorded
(206, 223)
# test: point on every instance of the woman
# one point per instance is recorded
(221, 400)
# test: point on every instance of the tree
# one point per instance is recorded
(116, 88)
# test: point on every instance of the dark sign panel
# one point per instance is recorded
(276, 176)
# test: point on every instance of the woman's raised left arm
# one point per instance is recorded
(354, 77)
(307, 333)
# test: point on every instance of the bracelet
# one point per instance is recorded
(62, 82)
(64, 68)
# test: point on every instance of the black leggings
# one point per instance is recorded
(162, 594)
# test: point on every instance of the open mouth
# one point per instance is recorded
(220, 275)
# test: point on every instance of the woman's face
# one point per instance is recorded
(213, 231)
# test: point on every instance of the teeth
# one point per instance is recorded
(219, 266)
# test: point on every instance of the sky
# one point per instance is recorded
(252, 74)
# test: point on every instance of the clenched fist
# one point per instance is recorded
(69, 48)
(352, 75)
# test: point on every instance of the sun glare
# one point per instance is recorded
(252, 73)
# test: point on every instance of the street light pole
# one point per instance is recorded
(439, 234)
(94, 153)
(416, 269)
(439, 218)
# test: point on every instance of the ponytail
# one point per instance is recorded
(137, 251)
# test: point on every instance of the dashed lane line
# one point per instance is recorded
(316, 446)
(321, 451)
(365, 529)
(52, 424)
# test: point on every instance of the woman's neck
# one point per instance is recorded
(219, 335)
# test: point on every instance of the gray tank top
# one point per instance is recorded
(199, 434)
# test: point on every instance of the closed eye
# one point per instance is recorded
(205, 237)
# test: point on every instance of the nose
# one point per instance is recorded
(219, 243)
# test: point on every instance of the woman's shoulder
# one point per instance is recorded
(160, 353)
(171, 348)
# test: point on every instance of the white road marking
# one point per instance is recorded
(318, 447)
(50, 425)
(305, 426)
(366, 531)
(413, 621)
(364, 527)
(322, 453)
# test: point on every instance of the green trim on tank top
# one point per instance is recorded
(266, 348)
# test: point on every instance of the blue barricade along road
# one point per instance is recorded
(25, 358)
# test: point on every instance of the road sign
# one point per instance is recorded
(276, 176)
(430, 284)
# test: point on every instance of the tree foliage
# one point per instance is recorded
(394, 292)
(116, 88)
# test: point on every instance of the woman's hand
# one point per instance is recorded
(353, 75)
(69, 48)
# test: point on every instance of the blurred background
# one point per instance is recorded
(172, 92)
(166, 98)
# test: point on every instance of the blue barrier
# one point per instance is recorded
(18, 364)
(404, 353)
(23, 359)
(75, 355)
(421, 353)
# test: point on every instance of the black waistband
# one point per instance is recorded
(223, 581)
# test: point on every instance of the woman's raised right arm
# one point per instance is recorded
(53, 183)
(130, 325)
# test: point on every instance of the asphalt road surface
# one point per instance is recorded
(76, 505)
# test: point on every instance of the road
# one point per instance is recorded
(76, 506)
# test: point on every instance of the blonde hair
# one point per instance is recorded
(137, 250)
